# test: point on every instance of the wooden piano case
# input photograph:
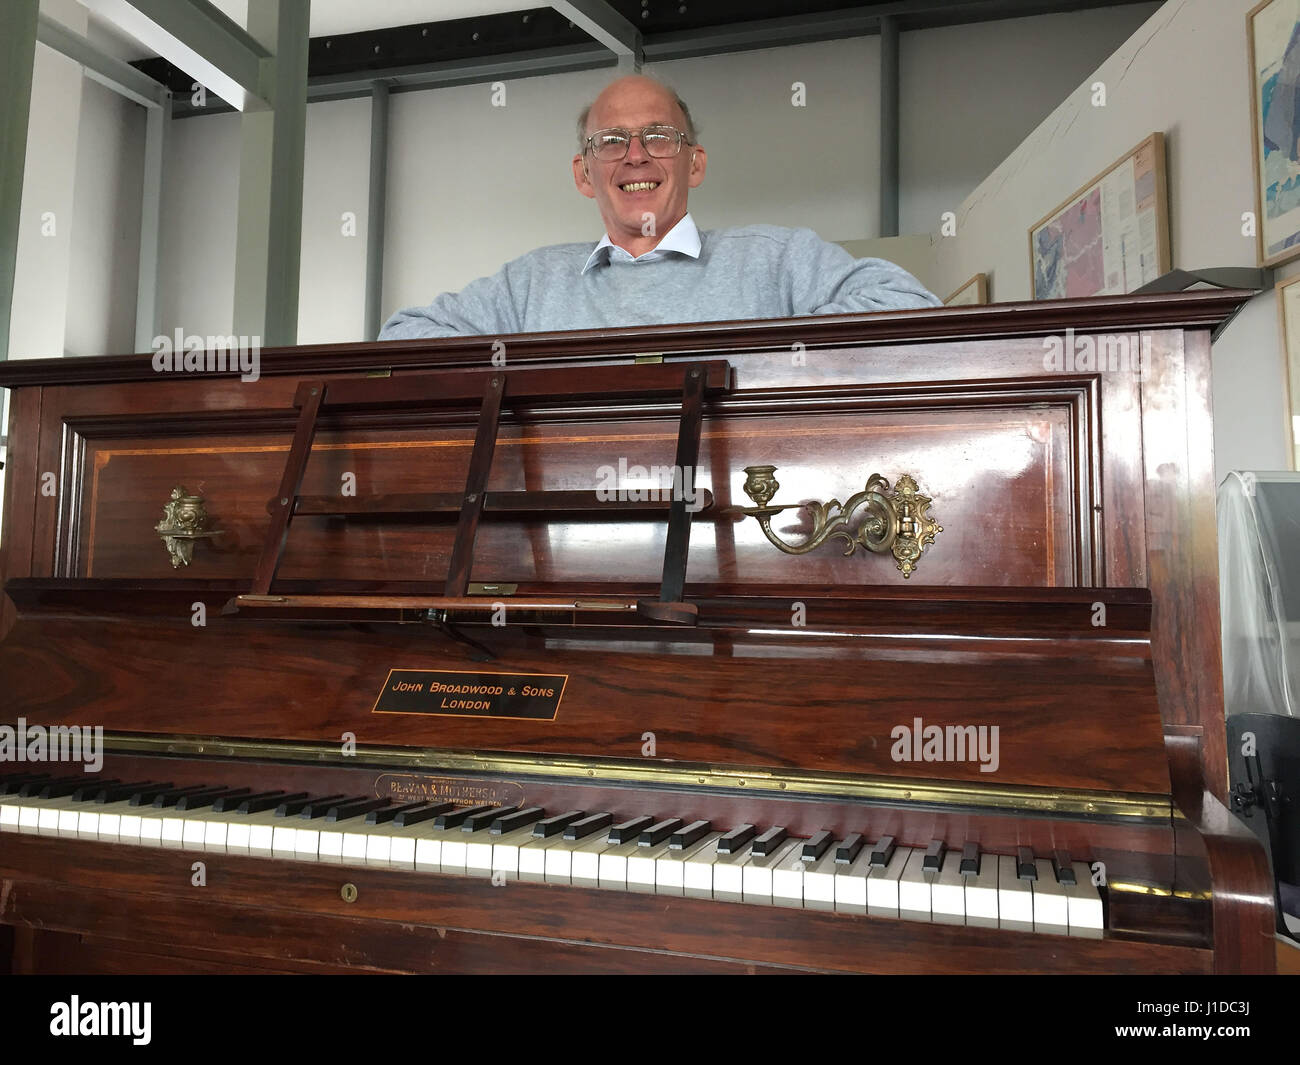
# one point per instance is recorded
(379, 507)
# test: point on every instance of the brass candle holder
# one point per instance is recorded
(185, 520)
(877, 518)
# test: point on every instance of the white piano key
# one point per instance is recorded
(145, 827)
(329, 843)
(756, 874)
(1015, 897)
(251, 833)
(673, 867)
(819, 881)
(284, 837)
(882, 884)
(914, 903)
(982, 894)
(69, 820)
(9, 813)
(29, 813)
(697, 871)
(403, 842)
(787, 879)
(508, 850)
(612, 866)
(948, 892)
(532, 857)
(1051, 913)
(1083, 904)
(577, 861)
(852, 882)
(642, 867)
(306, 839)
(48, 813)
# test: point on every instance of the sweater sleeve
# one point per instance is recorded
(826, 279)
(485, 307)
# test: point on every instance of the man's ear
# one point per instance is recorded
(699, 163)
(581, 178)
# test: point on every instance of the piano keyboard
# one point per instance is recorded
(746, 864)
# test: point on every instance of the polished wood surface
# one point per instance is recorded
(1065, 602)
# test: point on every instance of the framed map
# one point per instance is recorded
(1273, 36)
(1111, 236)
(975, 293)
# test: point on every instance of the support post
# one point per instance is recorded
(147, 322)
(268, 236)
(375, 211)
(889, 126)
(17, 60)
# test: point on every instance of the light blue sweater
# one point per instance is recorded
(743, 272)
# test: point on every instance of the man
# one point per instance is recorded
(638, 159)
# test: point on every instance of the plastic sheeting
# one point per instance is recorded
(1259, 591)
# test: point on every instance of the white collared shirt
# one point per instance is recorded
(684, 238)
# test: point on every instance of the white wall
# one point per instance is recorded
(970, 93)
(1184, 72)
(105, 239)
(40, 306)
(471, 185)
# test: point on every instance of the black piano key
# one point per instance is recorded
(1025, 867)
(477, 822)
(658, 832)
(346, 811)
(12, 785)
(114, 791)
(933, 860)
(425, 811)
(737, 839)
(768, 842)
(882, 852)
(628, 831)
(385, 814)
(267, 800)
(88, 792)
(847, 852)
(456, 816)
(1064, 868)
(234, 802)
(170, 796)
(816, 846)
(970, 860)
(32, 788)
(293, 805)
(198, 800)
(315, 809)
(59, 789)
(145, 794)
(692, 833)
(553, 826)
(585, 826)
(519, 819)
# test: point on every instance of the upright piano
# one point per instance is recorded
(865, 643)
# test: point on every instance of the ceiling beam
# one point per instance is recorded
(601, 22)
(196, 37)
(117, 75)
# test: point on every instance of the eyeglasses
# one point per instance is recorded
(612, 145)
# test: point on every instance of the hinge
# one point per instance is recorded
(645, 360)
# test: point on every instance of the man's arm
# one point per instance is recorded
(482, 308)
(826, 279)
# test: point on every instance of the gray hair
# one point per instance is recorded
(686, 112)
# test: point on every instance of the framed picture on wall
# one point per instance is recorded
(1288, 307)
(1111, 236)
(1273, 40)
(975, 293)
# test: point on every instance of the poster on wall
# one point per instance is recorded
(1111, 236)
(1288, 304)
(1273, 38)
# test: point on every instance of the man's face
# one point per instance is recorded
(620, 187)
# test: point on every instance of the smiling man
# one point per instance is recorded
(638, 159)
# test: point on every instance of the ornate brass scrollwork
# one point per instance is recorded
(184, 521)
(896, 521)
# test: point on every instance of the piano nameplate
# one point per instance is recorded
(448, 693)
(463, 791)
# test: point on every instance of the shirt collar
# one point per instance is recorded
(683, 238)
